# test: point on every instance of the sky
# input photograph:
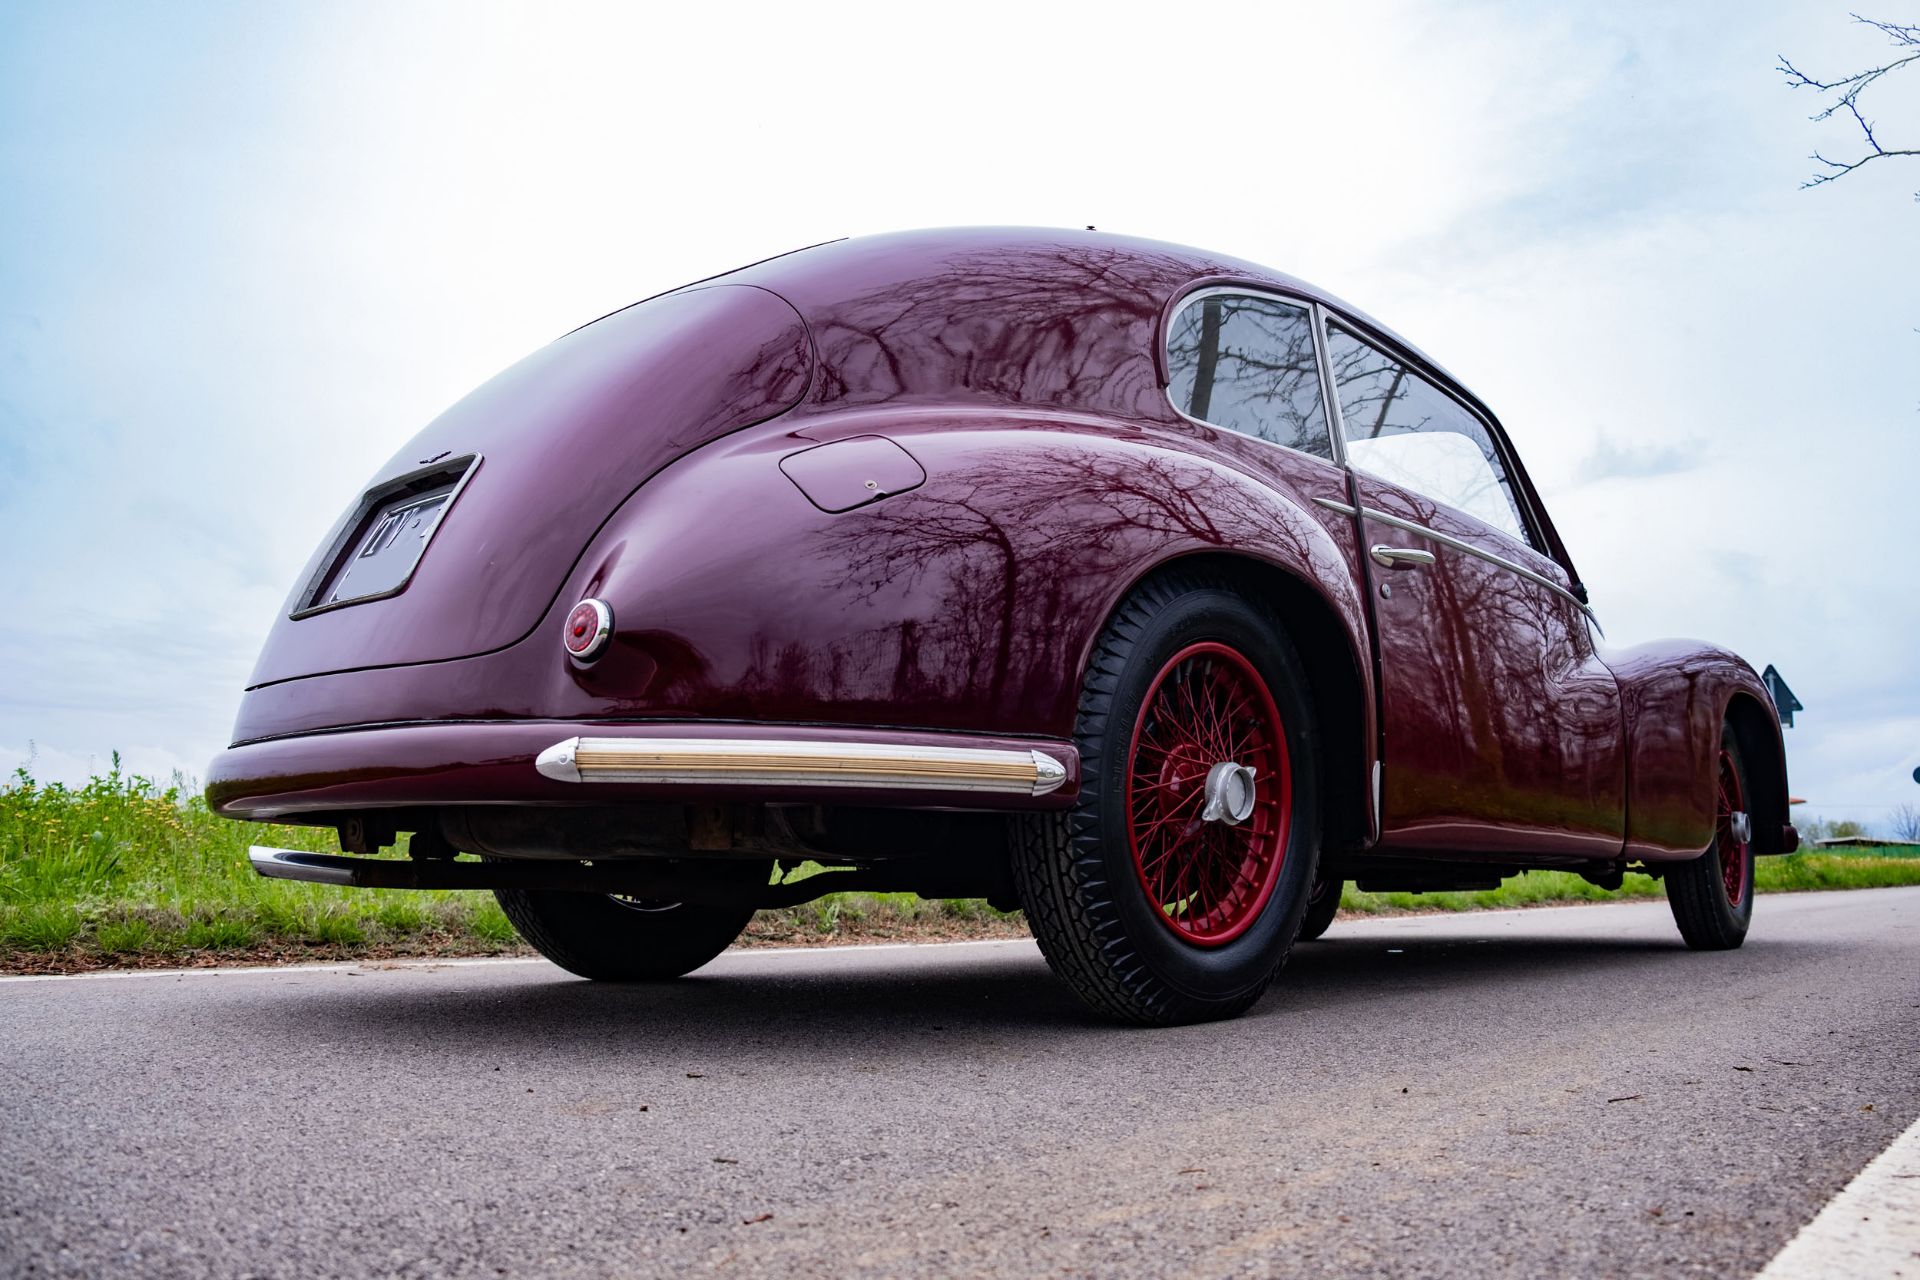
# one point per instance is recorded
(247, 250)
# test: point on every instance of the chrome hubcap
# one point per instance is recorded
(1229, 794)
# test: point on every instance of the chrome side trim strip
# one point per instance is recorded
(1331, 505)
(1329, 390)
(1457, 544)
(768, 762)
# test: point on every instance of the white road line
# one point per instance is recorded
(216, 971)
(1870, 1230)
(428, 962)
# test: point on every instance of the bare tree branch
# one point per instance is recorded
(1848, 90)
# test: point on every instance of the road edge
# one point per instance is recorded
(1871, 1228)
(467, 962)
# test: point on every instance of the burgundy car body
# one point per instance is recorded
(890, 490)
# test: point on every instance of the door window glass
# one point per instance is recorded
(1402, 428)
(1246, 363)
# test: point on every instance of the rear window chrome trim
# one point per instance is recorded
(1310, 309)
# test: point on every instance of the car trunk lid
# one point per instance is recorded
(458, 545)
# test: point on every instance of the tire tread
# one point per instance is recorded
(1698, 897)
(1059, 865)
(616, 944)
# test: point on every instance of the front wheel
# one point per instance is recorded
(1712, 896)
(1172, 890)
(619, 939)
(1322, 905)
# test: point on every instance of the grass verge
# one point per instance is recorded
(1796, 872)
(123, 872)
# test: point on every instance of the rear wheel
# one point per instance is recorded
(620, 939)
(1322, 904)
(1172, 890)
(1712, 896)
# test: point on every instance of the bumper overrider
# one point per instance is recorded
(554, 763)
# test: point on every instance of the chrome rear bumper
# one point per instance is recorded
(546, 762)
(885, 766)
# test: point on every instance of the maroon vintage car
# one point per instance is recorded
(1146, 589)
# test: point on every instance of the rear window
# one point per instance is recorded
(1245, 362)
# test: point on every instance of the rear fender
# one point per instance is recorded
(971, 602)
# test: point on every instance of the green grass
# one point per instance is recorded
(1800, 871)
(124, 870)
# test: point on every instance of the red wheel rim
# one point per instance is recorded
(1736, 855)
(1207, 880)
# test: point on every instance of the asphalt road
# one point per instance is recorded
(1521, 1093)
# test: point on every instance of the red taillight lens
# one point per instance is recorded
(589, 629)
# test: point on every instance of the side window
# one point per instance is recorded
(1246, 363)
(1404, 429)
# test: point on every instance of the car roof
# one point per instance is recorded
(930, 263)
(1028, 313)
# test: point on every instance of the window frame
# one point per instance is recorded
(1336, 447)
(1518, 493)
(1546, 539)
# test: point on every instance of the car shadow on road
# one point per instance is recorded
(943, 1001)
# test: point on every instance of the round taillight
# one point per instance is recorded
(589, 628)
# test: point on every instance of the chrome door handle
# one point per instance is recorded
(1400, 557)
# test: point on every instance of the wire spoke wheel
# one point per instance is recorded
(1736, 849)
(1712, 895)
(1172, 890)
(1208, 797)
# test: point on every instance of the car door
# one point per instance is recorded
(1501, 728)
(1244, 371)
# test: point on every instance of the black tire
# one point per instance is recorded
(1322, 905)
(1711, 916)
(1083, 892)
(613, 939)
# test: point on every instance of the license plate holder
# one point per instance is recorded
(378, 548)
